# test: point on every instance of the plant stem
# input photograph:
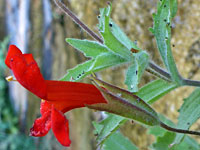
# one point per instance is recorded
(191, 82)
(77, 21)
(66, 10)
(179, 130)
(160, 70)
(153, 72)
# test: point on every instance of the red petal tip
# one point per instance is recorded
(12, 51)
(60, 127)
(41, 125)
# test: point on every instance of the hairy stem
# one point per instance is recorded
(179, 130)
(66, 10)
(191, 82)
(153, 72)
(160, 70)
(77, 21)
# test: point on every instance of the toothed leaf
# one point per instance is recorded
(102, 61)
(162, 31)
(88, 48)
(114, 45)
(189, 113)
(122, 37)
(79, 72)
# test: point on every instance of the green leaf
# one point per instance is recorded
(189, 113)
(173, 7)
(143, 60)
(156, 131)
(89, 48)
(79, 72)
(114, 45)
(164, 138)
(187, 144)
(106, 60)
(162, 31)
(136, 70)
(118, 142)
(154, 90)
(121, 36)
(102, 61)
(163, 143)
(108, 126)
(132, 77)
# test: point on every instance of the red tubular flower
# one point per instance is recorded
(58, 96)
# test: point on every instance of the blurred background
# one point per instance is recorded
(40, 28)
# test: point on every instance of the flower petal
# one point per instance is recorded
(45, 107)
(60, 127)
(29, 58)
(41, 125)
(73, 94)
(26, 71)
(12, 51)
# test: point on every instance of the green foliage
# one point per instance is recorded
(108, 126)
(107, 60)
(101, 59)
(187, 144)
(132, 77)
(165, 142)
(16, 141)
(88, 48)
(79, 72)
(110, 40)
(165, 139)
(7, 121)
(120, 44)
(189, 113)
(166, 10)
(136, 70)
(118, 142)
(108, 136)
(115, 51)
(154, 90)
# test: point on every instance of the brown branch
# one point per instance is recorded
(77, 21)
(179, 130)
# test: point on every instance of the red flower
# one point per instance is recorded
(58, 96)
